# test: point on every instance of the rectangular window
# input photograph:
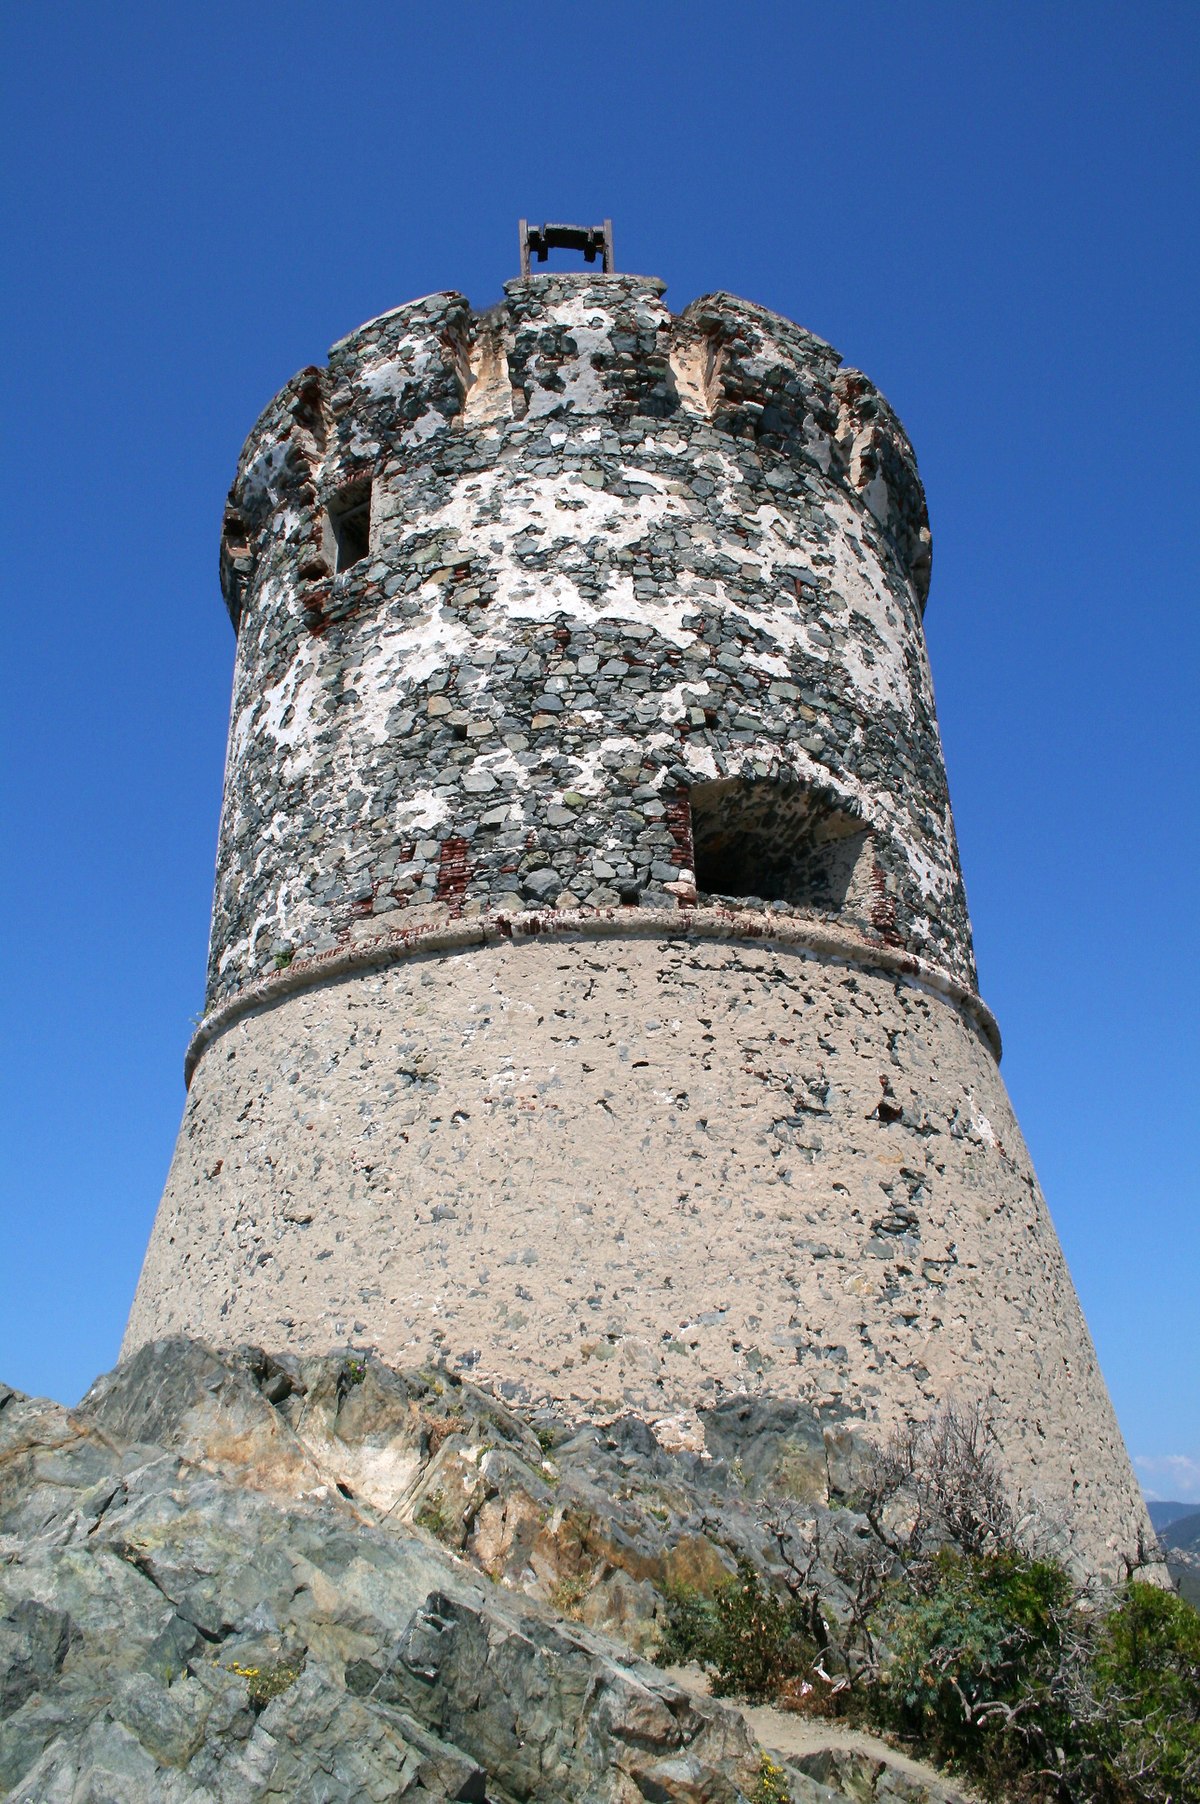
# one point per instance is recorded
(776, 842)
(349, 514)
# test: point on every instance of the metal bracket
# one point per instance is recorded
(593, 241)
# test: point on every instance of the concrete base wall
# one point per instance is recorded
(639, 1176)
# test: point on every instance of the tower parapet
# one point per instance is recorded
(591, 998)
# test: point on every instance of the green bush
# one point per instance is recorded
(926, 1615)
(687, 1628)
(1147, 1672)
(750, 1639)
(263, 1683)
(757, 1641)
(772, 1786)
(434, 1517)
(976, 1653)
(1001, 1668)
(995, 1666)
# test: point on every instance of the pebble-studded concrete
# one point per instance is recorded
(613, 555)
(640, 1176)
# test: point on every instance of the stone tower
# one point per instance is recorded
(592, 1002)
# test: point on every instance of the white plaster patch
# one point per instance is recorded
(768, 662)
(542, 594)
(877, 497)
(423, 811)
(980, 1124)
(401, 658)
(701, 760)
(583, 389)
(295, 700)
(262, 473)
(431, 421)
(591, 774)
(817, 443)
(673, 703)
(391, 376)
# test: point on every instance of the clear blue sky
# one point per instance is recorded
(989, 208)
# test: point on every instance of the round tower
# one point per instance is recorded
(591, 996)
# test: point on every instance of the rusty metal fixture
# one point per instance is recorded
(593, 241)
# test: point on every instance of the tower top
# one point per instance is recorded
(458, 508)
(594, 241)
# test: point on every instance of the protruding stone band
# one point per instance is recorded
(389, 948)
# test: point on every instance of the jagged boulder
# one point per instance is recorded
(227, 1576)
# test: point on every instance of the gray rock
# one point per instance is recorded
(209, 1618)
(230, 1576)
(542, 884)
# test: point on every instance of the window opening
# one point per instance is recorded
(778, 842)
(237, 562)
(349, 514)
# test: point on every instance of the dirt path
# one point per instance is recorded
(801, 1737)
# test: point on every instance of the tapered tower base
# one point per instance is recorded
(641, 1173)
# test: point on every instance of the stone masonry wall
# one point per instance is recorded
(642, 1175)
(591, 993)
(613, 554)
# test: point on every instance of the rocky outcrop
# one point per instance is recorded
(236, 1577)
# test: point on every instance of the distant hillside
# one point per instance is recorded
(1177, 1526)
(1163, 1514)
(1180, 1537)
(1182, 1534)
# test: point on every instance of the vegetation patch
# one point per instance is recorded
(568, 1594)
(772, 1786)
(752, 1641)
(434, 1517)
(929, 1611)
(263, 1683)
